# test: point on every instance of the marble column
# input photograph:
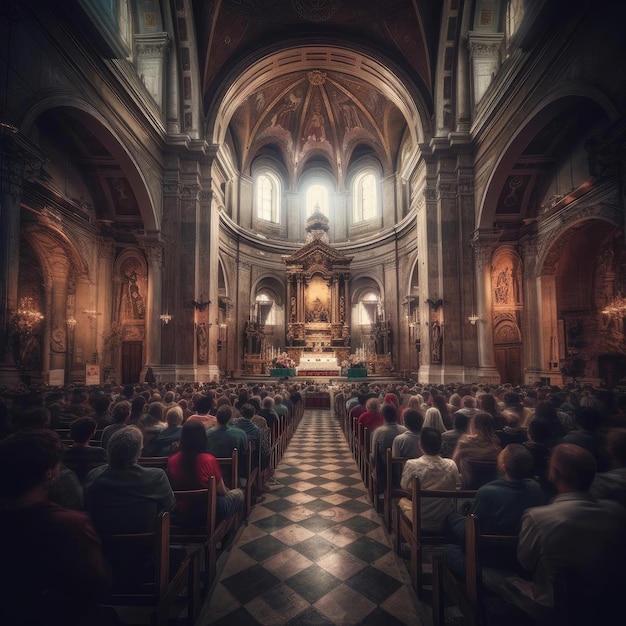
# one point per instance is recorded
(58, 327)
(153, 248)
(104, 291)
(484, 244)
(19, 159)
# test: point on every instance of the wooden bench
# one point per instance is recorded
(393, 474)
(156, 589)
(411, 532)
(199, 526)
(466, 594)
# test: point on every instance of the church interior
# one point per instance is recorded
(434, 190)
(360, 198)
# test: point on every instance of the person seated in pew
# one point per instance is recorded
(222, 440)
(372, 418)
(576, 535)
(53, 569)
(407, 444)
(267, 411)
(168, 439)
(258, 437)
(190, 468)
(279, 408)
(80, 457)
(434, 472)
(123, 496)
(476, 452)
(120, 413)
(385, 435)
(611, 485)
(450, 438)
(499, 506)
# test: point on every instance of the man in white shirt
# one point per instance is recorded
(434, 472)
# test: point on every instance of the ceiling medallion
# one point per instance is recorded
(316, 10)
(316, 77)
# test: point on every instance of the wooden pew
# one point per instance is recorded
(392, 491)
(466, 594)
(411, 532)
(196, 524)
(158, 589)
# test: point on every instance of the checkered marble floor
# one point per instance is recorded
(314, 551)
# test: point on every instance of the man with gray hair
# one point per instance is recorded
(123, 496)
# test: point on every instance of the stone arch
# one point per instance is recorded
(507, 331)
(88, 116)
(550, 106)
(251, 73)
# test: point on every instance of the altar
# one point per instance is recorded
(318, 364)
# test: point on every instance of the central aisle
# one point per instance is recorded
(314, 551)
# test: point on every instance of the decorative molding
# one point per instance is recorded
(316, 11)
(172, 189)
(106, 248)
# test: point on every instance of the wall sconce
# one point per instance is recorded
(200, 305)
(71, 323)
(473, 318)
(165, 318)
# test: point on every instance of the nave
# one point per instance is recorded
(314, 550)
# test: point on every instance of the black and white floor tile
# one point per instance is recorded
(314, 551)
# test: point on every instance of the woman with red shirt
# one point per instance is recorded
(191, 467)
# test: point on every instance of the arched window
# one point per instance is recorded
(266, 309)
(317, 198)
(368, 309)
(365, 199)
(267, 197)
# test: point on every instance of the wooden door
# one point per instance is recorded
(132, 353)
(509, 364)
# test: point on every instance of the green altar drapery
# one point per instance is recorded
(281, 372)
(357, 372)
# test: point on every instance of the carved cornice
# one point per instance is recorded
(151, 45)
(172, 190)
(190, 192)
(484, 243)
(106, 248)
(486, 45)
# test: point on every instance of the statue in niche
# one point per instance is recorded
(135, 307)
(503, 286)
(293, 308)
(202, 342)
(436, 342)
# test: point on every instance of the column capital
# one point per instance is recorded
(484, 242)
(153, 248)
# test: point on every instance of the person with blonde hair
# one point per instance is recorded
(433, 419)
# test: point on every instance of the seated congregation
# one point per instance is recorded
(126, 498)
(518, 497)
(115, 496)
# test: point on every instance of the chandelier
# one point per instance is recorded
(28, 317)
(616, 307)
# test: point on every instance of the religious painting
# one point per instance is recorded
(133, 290)
(318, 300)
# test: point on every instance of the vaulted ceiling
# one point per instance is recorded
(327, 111)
